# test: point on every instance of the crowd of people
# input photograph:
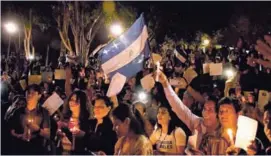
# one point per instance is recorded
(192, 117)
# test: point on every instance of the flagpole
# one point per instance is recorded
(149, 42)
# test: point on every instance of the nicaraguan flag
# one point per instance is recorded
(126, 54)
(180, 54)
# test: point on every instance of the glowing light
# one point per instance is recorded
(142, 96)
(229, 73)
(231, 48)
(206, 42)
(116, 29)
(31, 57)
(230, 133)
(11, 27)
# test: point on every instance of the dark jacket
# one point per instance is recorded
(103, 139)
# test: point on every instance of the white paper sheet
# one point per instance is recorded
(147, 82)
(246, 131)
(216, 69)
(53, 103)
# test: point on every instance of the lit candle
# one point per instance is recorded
(230, 133)
(157, 71)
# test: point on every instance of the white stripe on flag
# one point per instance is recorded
(179, 56)
(127, 55)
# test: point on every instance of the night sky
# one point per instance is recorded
(177, 18)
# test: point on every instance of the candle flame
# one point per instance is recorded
(230, 133)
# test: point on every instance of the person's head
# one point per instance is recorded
(33, 94)
(251, 111)
(188, 99)
(102, 107)
(228, 112)
(126, 121)
(166, 117)
(140, 107)
(251, 98)
(209, 112)
(267, 121)
(77, 105)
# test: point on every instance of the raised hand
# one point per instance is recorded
(265, 50)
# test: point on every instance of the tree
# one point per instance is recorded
(79, 22)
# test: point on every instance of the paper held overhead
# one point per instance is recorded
(147, 82)
(216, 69)
(53, 103)
(156, 58)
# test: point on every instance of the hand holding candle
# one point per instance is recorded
(230, 133)
(157, 71)
(74, 128)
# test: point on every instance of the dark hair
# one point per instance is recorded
(106, 100)
(82, 98)
(230, 101)
(139, 103)
(124, 111)
(267, 107)
(215, 100)
(34, 87)
(173, 123)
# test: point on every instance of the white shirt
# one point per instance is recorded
(168, 143)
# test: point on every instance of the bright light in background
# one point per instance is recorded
(11, 27)
(247, 51)
(229, 73)
(116, 29)
(231, 48)
(206, 42)
(142, 96)
(31, 57)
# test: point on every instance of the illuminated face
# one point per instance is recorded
(74, 105)
(227, 116)
(163, 116)
(100, 109)
(33, 97)
(121, 128)
(209, 114)
(267, 124)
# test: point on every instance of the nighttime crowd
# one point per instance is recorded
(196, 115)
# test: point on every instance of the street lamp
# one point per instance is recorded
(206, 42)
(116, 29)
(11, 29)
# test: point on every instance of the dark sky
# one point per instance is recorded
(176, 17)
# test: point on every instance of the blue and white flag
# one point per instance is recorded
(126, 54)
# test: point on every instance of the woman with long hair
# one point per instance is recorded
(168, 138)
(100, 136)
(129, 128)
(74, 126)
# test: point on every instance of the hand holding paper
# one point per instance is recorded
(53, 103)
(246, 132)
